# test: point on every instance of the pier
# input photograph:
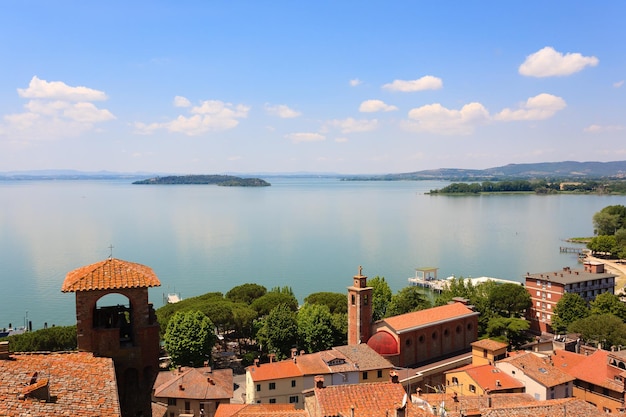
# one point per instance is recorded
(569, 249)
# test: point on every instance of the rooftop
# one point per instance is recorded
(58, 384)
(194, 383)
(110, 274)
(569, 276)
(539, 369)
(431, 316)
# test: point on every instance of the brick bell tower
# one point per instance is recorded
(359, 310)
(129, 334)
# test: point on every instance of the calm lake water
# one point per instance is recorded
(307, 233)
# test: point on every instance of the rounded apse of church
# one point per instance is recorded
(383, 343)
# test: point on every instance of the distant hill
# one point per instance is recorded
(561, 170)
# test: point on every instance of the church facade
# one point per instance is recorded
(414, 338)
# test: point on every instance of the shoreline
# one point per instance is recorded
(613, 268)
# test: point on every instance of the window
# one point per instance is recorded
(434, 335)
(421, 338)
(293, 383)
(293, 399)
(538, 293)
(472, 388)
(379, 374)
(455, 380)
(365, 300)
(272, 385)
(187, 406)
(365, 375)
(258, 387)
(272, 400)
(171, 401)
(353, 300)
(458, 329)
(484, 353)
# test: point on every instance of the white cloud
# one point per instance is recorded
(427, 82)
(305, 137)
(608, 128)
(618, 84)
(547, 62)
(59, 90)
(351, 125)
(55, 110)
(355, 82)
(341, 140)
(282, 111)
(209, 116)
(372, 106)
(180, 101)
(540, 107)
(435, 118)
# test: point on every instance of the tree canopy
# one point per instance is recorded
(279, 331)
(246, 293)
(316, 330)
(609, 220)
(337, 303)
(569, 308)
(406, 300)
(381, 296)
(510, 300)
(606, 329)
(189, 338)
(52, 339)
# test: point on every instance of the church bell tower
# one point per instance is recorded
(359, 310)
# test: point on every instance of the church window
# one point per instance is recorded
(434, 335)
(408, 342)
(446, 332)
(421, 338)
(458, 329)
(353, 299)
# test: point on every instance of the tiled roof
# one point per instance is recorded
(364, 356)
(428, 317)
(274, 370)
(539, 369)
(566, 360)
(488, 377)
(489, 344)
(548, 408)
(261, 410)
(367, 400)
(78, 384)
(110, 274)
(569, 276)
(594, 369)
(474, 402)
(195, 383)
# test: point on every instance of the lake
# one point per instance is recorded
(311, 234)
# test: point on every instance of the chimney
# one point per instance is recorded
(319, 381)
(210, 381)
(498, 383)
(489, 401)
(180, 387)
(294, 352)
(393, 377)
(256, 362)
(272, 357)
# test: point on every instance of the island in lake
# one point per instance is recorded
(223, 180)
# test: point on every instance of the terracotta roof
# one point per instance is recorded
(474, 402)
(594, 369)
(194, 383)
(367, 400)
(110, 274)
(548, 408)
(566, 360)
(488, 377)
(249, 410)
(539, 369)
(422, 318)
(489, 344)
(76, 381)
(274, 370)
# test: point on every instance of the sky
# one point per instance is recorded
(351, 87)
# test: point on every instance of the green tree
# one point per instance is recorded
(246, 293)
(571, 307)
(512, 330)
(609, 220)
(510, 300)
(335, 301)
(607, 303)
(315, 328)
(457, 287)
(406, 300)
(263, 305)
(606, 329)
(279, 331)
(603, 244)
(243, 322)
(52, 339)
(189, 338)
(381, 296)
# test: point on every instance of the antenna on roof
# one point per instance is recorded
(111, 251)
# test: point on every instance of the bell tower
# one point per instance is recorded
(129, 334)
(359, 310)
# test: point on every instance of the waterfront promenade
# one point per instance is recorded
(613, 267)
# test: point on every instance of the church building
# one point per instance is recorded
(415, 338)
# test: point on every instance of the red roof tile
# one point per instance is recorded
(110, 274)
(195, 383)
(367, 400)
(77, 381)
(539, 369)
(260, 410)
(489, 344)
(488, 377)
(594, 369)
(274, 370)
(428, 317)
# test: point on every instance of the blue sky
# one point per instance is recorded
(326, 86)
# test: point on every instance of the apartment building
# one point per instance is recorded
(547, 288)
